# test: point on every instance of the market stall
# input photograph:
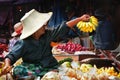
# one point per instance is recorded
(84, 64)
(78, 59)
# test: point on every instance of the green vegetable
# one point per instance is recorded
(65, 60)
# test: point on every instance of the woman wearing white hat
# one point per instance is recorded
(34, 46)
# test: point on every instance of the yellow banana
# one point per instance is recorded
(95, 23)
(89, 26)
(84, 26)
(90, 29)
(93, 27)
(94, 20)
(80, 24)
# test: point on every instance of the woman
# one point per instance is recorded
(34, 47)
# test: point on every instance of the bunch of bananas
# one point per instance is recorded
(88, 26)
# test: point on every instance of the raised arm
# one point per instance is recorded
(73, 22)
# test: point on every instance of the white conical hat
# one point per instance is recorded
(33, 21)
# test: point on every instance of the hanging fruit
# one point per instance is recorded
(88, 26)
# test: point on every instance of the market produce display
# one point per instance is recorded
(1, 66)
(51, 76)
(65, 60)
(89, 26)
(76, 71)
(68, 47)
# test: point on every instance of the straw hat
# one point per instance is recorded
(33, 21)
(17, 29)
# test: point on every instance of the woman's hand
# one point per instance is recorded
(73, 22)
(7, 67)
(85, 17)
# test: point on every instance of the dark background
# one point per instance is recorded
(11, 11)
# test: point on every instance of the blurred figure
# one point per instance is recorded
(74, 33)
(15, 35)
(116, 23)
(104, 37)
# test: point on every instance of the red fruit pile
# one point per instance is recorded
(71, 47)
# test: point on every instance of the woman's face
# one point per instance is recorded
(40, 32)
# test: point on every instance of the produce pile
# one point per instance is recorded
(1, 65)
(75, 71)
(88, 26)
(68, 47)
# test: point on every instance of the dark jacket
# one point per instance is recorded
(38, 51)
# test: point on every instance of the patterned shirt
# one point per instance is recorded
(12, 42)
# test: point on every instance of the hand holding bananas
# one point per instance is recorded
(73, 22)
(88, 26)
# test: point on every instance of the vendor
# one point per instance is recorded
(34, 45)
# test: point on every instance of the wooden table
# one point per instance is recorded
(74, 57)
